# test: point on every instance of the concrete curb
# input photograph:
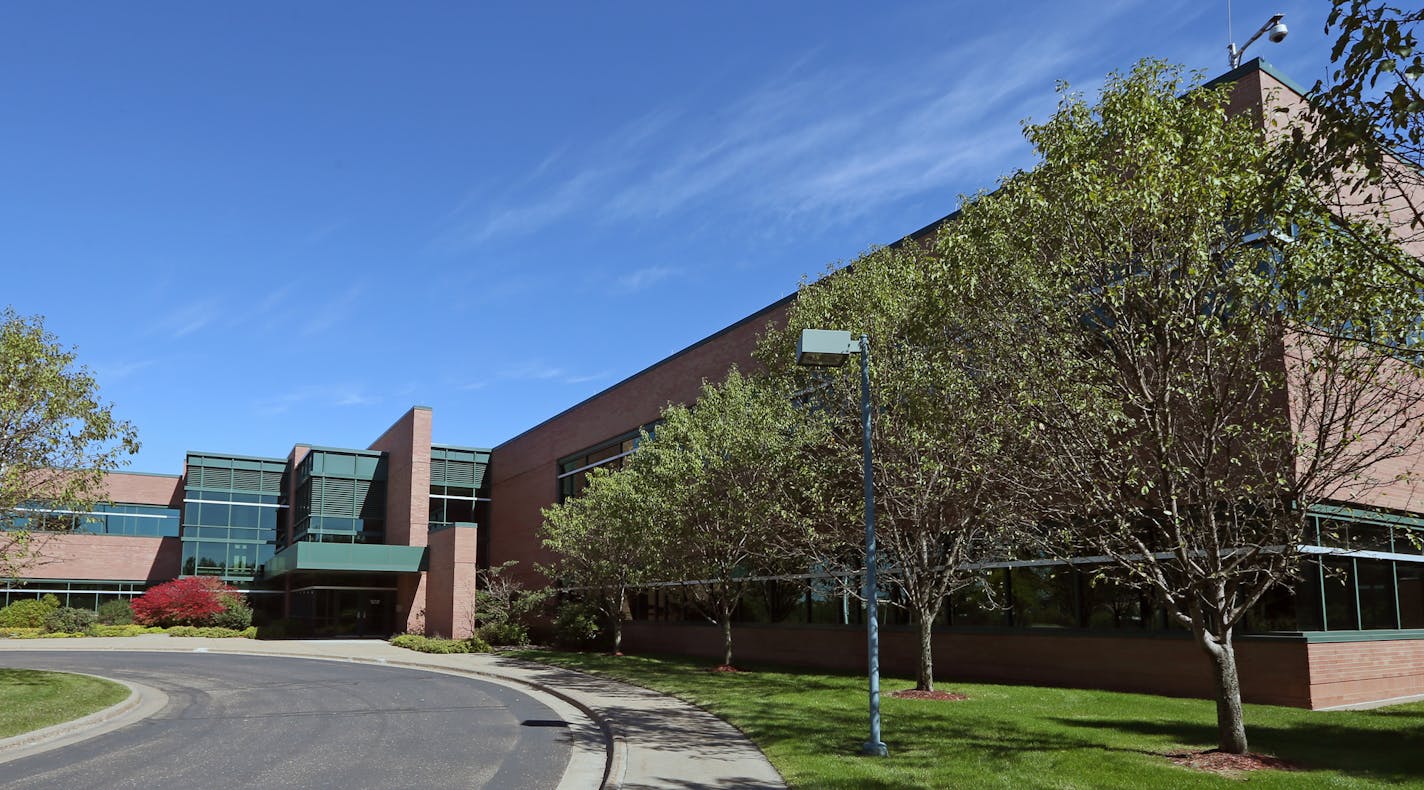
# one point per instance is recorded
(142, 702)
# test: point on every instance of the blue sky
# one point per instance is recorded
(268, 223)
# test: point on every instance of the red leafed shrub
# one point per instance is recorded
(194, 600)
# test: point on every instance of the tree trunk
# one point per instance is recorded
(617, 611)
(924, 676)
(1230, 724)
(726, 635)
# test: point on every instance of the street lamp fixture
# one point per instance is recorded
(829, 348)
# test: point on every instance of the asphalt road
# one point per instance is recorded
(245, 721)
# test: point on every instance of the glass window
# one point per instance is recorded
(981, 603)
(245, 516)
(1411, 594)
(1375, 580)
(1045, 597)
(1112, 605)
(1368, 537)
(1408, 540)
(829, 603)
(214, 515)
(1339, 584)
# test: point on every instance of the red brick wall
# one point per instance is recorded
(136, 489)
(407, 444)
(450, 592)
(1342, 673)
(117, 557)
(1272, 671)
(524, 470)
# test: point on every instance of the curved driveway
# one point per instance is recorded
(246, 721)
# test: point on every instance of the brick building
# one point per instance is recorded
(388, 538)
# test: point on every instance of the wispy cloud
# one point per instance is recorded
(539, 371)
(316, 396)
(117, 371)
(638, 279)
(183, 321)
(821, 141)
(333, 311)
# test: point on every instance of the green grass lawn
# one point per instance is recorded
(31, 699)
(811, 725)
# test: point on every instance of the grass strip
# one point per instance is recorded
(811, 725)
(32, 698)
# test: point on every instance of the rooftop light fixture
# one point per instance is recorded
(1275, 29)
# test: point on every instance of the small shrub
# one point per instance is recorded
(210, 632)
(428, 644)
(30, 613)
(67, 620)
(19, 632)
(101, 629)
(115, 612)
(508, 633)
(237, 616)
(576, 625)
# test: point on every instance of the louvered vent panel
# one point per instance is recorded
(247, 479)
(338, 497)
(271, 483)
(479, 472)
(460, 473)
(210, 477)
(437, 471)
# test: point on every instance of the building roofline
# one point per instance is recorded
(326, 449)
(214, 454)
(785, 300)
(1256, 64)
(144, 474)
(442, 446)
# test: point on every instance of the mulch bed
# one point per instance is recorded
(1218, 762)
(724, 668)
(946, 696)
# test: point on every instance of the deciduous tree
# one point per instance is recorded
(57, 437)
(725, 480)
(948, 369)
(606, 542)
(1236, 345)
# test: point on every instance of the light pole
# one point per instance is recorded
(829, 348)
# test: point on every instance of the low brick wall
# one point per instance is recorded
(1344, 673)
(1273, 671)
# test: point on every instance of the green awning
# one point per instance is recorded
(346, 557)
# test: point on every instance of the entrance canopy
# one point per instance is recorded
(303, 556)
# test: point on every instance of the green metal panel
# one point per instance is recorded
(347, 557)
(458, 466)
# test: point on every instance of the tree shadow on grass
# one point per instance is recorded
(1393, 754)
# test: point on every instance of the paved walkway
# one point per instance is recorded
(654, 741)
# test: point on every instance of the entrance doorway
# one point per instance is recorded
(351, 611)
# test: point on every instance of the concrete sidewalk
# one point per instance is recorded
(654, 741)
